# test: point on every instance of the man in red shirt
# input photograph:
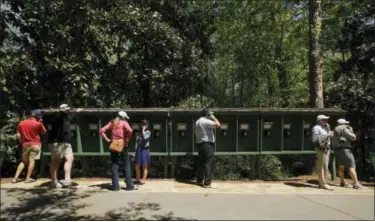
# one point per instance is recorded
(28, 134)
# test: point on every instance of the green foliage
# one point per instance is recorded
(261, 54)
(9, 141)
(197, 101)
(354, 83)
(270, 168)
(101, 54)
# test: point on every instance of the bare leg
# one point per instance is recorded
(30, 169)
(325, 165)
(19, 170)
(137, 172)
(68, 167)
(54, 168)
(145, 172)
(353, 175)
(341, 171)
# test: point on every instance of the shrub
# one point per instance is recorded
(8, 140)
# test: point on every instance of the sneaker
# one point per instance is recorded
(357, 186)
(56, 184)
(30, 180)
(66, 183)
(138, 182)
(209, 186)
(326, 187)
(346, 185)
(130, 189)
(14, 180)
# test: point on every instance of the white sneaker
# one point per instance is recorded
(56, 184)
(66, 183)
(357, 186)
(326, 187)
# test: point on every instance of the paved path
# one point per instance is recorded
(169, 200)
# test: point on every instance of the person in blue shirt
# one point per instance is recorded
(142, 153)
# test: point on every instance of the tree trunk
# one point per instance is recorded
(315, 60)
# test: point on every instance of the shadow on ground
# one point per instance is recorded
(103, 186)
(48, 184)
(185, 181)
(48, 204)
(309, 183)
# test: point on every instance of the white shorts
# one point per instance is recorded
(60, 150)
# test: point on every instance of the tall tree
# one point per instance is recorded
(315, 60)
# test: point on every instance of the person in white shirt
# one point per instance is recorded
(321, 138)
(205, 139)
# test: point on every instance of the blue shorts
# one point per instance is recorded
(142, 156)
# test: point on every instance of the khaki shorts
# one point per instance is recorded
(30, 152)
(60, 150)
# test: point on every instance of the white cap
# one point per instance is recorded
(123, 114)
(342, 121)
(64, 107)
(322, 117)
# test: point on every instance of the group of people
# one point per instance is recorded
(29, 133)
(340, 140)
(60, 137)
(324, 140)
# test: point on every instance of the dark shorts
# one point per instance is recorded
(142, 156)
(345, 157)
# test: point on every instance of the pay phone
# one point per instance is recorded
(267, 126)
(135, 127)
(244, 128)
(156, 129)
(93, 127)
(306, 129)
(287, 127)
(181, 128)
(73, 130)
(224, 129)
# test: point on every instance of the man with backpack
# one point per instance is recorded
(321, 138)
(342, 142)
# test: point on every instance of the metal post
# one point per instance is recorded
(165, 167)
(173, 166)
(333, 175)
(100, 138)
(79, 142)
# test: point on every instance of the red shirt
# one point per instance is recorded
(30, 130)
(123, 131)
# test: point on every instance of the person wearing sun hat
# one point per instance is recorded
(121, 134)
(59, 144)
(321, 138)
(342, 141)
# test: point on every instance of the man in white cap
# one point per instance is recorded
(321, 138)
(342, 143)
(59, 143)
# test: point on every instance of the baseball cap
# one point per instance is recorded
(322, 117)
(36, 113)
(64, 107)
(342, 121)
(123, 114)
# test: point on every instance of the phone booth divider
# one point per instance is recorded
(101, 147)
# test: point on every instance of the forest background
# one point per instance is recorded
(190, 54)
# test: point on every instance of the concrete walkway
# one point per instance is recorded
(170, 200)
